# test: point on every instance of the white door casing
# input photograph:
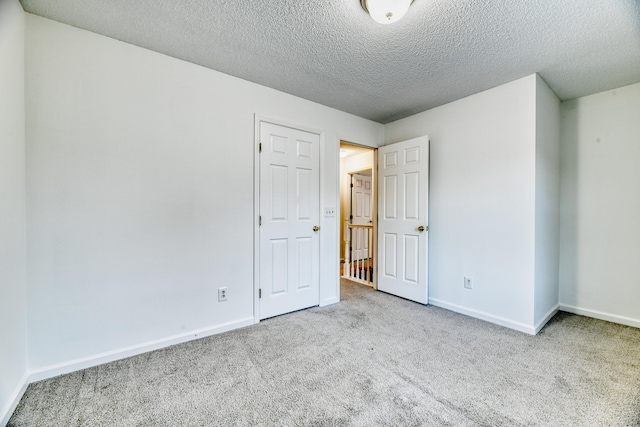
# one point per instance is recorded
(289, 254)
(403, 185)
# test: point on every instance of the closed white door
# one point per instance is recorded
(289, 210)
(403, 195)
(361, 199)
(361, 215)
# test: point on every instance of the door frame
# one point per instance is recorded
(258, 118)
(374, 212)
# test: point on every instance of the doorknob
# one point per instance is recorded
(422, 228)
(316, 228)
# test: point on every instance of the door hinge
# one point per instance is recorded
(260, 220)
(351, 185)
(260, 148)
(259, 293)
(350, 216)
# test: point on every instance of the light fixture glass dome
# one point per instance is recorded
(386, 11)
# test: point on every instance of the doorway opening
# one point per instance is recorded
(357, 213)
(393, 256)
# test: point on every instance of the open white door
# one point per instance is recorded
(289, 215)
(403, 197)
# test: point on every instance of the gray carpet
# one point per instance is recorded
(372, 359)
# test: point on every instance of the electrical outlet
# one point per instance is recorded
(329, 212)
(468, 283)
(222, 294)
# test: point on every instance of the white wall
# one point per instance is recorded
(13, 302)
(547, 203)
(600, 227)
(140, 195)
(140, 199)
(482, 201)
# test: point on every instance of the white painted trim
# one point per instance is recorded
(288, 124)
(374, 209)
(256, 214)
(322, 153)
(110, 356)
(629, 321)
(339, 223)
(11, 405)
(547, 317)
(376, 252)
(511, 324)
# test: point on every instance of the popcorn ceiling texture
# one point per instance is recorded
(331, 52)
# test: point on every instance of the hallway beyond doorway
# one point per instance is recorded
(357, 213)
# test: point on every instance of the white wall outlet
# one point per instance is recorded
(329, 212)
(222, 294)
(468, 282)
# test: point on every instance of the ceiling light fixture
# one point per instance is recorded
(386, 11)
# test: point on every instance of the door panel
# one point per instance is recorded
(279, 194)
(279, 261)
(411, 196)
(403, 202)
(304, 252)
(389, 197)
(411, 258)
(289, 209)
(304, 193)
(389, 258)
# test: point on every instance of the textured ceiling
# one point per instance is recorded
(331, 52)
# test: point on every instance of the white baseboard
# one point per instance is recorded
(14, 399)
(546, 318)
(110, 356)
(629, 321)
(511, 324)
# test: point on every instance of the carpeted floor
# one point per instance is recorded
(373, 359)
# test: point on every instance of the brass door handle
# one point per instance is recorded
(316, 228)
(422, 228)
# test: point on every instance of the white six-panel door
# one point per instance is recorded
(403, 182)
(289, 255)
(361, 215)
(361, 199)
